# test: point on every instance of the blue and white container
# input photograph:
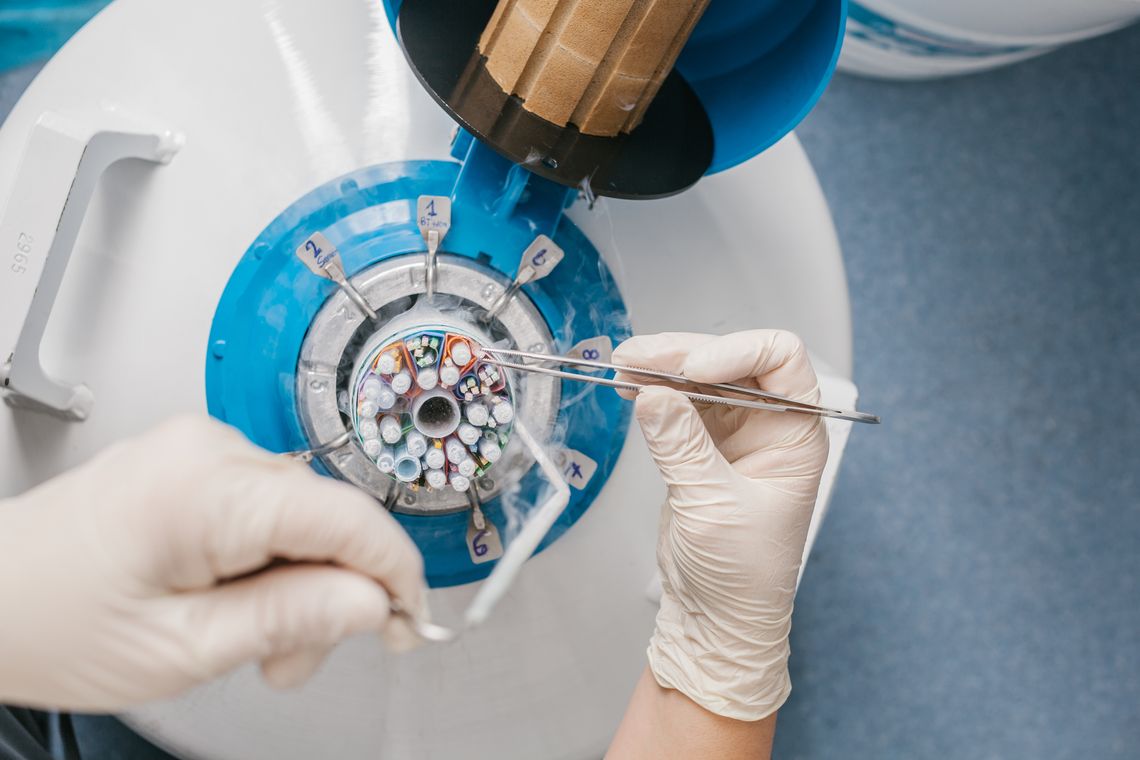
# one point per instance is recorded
(923, 39)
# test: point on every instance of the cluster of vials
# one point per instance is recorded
(428, 412)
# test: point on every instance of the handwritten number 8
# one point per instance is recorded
(591, 354)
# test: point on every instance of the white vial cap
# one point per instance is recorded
(503, 412)
(372, 447)
(427, 378)
(436, 478)
(368, 408)
(387, 399)
(386, 364)
(460, 483)
(456, 451)
(435, 458)
(368, 429)
(402, 382)
(490, 451)
(448, 376)
(461, 353)
(372, 388)
(386, 461)
(417, 444)
(469, 434)
(467, 467)
(477, 414)
(390, 429)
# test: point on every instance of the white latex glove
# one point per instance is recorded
(741, 488)
(134, 577)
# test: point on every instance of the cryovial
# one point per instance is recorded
(448, 376)
(477, 413)
(407, 466)
(386, 363)
(368, 429)
(461, 353)
(386, 461)
(490, 450)
(386, 398)
(402, 382)
(469, 434)
(503, 411)
(435, 458)
(436, 478)
(390, 429)
(416, 443)
(427, 378)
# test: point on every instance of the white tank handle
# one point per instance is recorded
(56, 179)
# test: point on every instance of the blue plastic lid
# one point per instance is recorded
(758, 66)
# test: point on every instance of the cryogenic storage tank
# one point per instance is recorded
(175, 183)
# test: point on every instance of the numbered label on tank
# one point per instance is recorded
(539, 259)
(599, 349)
(433, 213)
(484, 545)
(576, 467)
(319, 255)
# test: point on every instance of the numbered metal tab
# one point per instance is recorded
(483, 542)
(577, 468)
(599, 349)
(323, 259)
(538, 261)
(433, 215)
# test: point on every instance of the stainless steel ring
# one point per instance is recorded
(393, 288)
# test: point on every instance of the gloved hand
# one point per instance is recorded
(741, 488)
(135, 576)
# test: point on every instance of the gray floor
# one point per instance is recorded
(975, 591)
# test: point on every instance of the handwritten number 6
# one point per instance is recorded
(480, 549)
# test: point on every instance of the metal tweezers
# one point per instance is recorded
(768, 401)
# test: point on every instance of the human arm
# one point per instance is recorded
(157, 566)
(741, 487)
